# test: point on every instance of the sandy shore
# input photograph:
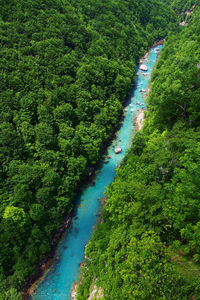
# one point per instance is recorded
(139, 120)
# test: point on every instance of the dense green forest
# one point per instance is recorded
(66, 68)
(148, 245)
(180, 6)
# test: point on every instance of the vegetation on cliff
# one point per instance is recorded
(151, 216)
(66, 68)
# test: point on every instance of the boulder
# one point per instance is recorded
(143, 68)
(118, 150)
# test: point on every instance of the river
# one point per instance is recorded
(70, 251)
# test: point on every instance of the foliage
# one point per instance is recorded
(152, 207)
(181, 5)
(66, 68)
(176, 81)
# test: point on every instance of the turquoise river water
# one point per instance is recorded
(64, 271)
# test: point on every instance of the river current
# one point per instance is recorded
(70, 251)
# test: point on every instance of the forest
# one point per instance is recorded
(147, 245)
(181, 6)
(66, 69)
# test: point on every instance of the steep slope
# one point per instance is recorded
(151, 216)
(66, 68)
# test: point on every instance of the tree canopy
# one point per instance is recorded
(66, 68)
(151, 215)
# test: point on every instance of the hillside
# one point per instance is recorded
(147, 246)
(66, 69)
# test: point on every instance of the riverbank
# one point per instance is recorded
(95, 292)
(31, 283)
(73, 292)
(97, 248)
(139, 120)
(98, 293)
(86, 181)
(158, 43)
(71, 250)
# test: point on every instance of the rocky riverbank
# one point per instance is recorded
(31, 283)
(139, 120)
(95, 293)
